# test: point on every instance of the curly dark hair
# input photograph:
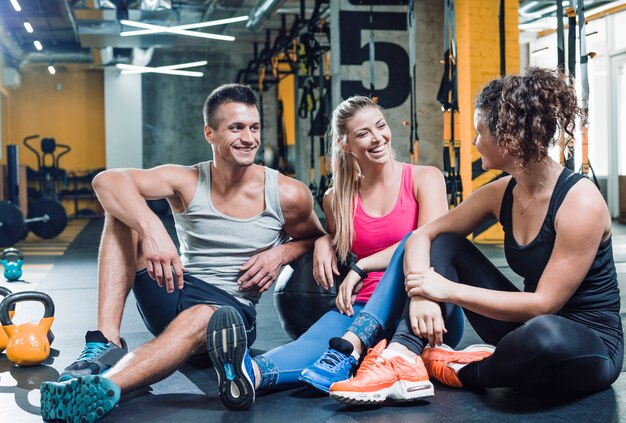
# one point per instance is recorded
(523, 113)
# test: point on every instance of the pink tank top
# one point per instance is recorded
(374, 234)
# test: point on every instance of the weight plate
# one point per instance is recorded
(55, 225)
(11, 224)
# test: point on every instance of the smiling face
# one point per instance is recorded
(238, 135)
(369, 136)
(492, 155)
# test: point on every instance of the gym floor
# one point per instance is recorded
(65, 268)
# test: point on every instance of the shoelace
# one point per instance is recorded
(373, 362)
(91, 350)
(333, 359)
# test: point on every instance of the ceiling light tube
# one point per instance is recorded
(173, 67)
(38, 45)
(16, 6)
(126, 68)
(187, 26)
(173, 30)
(28, 26)
(52, 70)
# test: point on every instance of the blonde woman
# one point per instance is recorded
(375, 201)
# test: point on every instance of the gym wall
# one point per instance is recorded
(172, 106)
(67, 106)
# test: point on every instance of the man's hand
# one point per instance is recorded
(426, 320)
(429, 284)
(347, 292)
(261, 270)
(162, 260)
(325, 262)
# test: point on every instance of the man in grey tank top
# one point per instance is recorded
(237, 222)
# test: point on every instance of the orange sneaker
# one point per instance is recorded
(442, 362)
(379, 378)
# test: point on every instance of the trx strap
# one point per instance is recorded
(560, 41)
(309, 49)
(413, 137)
(281, 141)
(569, 150)
(323, 115)
(448, 97)
(312, 185)
(585, 166)
(372, 50)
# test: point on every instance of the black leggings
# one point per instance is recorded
(546, 352)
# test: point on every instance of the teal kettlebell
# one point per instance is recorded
(12, 260)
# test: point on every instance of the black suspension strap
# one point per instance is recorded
(414, 136)
(282, 139)
(560, 41)
(585, 166)
(570, 143)
(448, 97)
(372, 51)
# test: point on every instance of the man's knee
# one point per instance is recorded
(193, 321)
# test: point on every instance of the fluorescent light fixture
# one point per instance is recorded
(592, 10)
(524, 10)
(187, 26)
(38, 45)
(168, 67)
(29, 27)
(16, 6)
(173, 30)
(52, 70)
(131, 69)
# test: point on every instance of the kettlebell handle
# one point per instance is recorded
(17, 297)
(13, 253)
(5, 292)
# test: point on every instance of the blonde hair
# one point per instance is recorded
(346, 173)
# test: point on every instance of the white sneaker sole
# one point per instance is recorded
(400, 391)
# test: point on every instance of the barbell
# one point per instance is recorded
(46, 218)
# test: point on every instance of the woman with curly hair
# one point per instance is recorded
(563, 332)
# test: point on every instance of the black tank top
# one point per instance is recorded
(598, 291)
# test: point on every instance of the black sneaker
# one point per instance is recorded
(228, 350)
(98, 356)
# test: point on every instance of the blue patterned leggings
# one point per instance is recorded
(373, 320)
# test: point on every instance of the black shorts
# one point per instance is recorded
(158, 308)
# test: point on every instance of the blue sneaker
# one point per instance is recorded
(227, 345)
(98, 356)
(84, 400)
(335, 365)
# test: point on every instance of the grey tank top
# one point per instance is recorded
(213, 246)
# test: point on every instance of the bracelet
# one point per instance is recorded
(362, 273)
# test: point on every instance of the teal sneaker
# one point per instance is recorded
(98, 356)
(83, 400)
(335, 365)
(227, 346)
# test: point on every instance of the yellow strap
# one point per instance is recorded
(275, 66)
(261, 77)
(584, 130)
(415, 155)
